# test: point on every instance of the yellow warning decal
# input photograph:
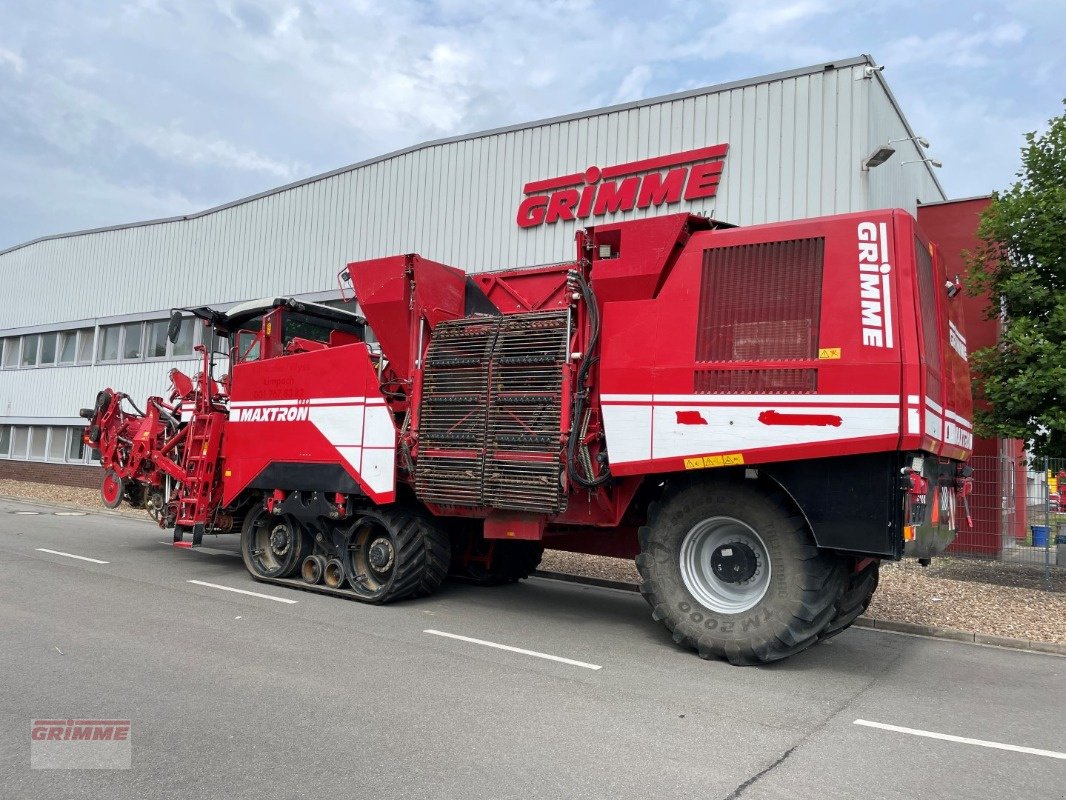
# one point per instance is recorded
(828, 353)
(705, 462)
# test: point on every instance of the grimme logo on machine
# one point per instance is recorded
(269, 414)
(691, 175)
(875, 288)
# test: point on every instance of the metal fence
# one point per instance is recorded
(1018, 511)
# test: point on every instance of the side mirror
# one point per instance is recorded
(175, 326)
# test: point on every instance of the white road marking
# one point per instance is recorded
(245, 591)
(71, 555)
(70, 513)
(28, 513)
(962, 739)
(507, 647)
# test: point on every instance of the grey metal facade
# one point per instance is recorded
(797, 141)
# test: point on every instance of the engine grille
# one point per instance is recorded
(489, 430)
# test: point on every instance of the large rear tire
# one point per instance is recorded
(392, 553)
(854, 599)
(733, 571)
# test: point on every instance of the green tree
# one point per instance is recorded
(1021, 259)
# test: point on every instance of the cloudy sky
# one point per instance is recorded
(115, 112)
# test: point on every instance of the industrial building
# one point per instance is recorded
(820, 140)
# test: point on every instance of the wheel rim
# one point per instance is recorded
(274, 544)
(111, 489)
(725, 546)
(369, 558)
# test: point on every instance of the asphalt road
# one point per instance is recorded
(239, 696)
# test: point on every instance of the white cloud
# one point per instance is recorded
(952, 47)
(634, 84)
(14, 60)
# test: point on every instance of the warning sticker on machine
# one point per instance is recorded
(704, 462)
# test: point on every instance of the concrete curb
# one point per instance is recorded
(911, 628)
(952, 634)
(600, 582)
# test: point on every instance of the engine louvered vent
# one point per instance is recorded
(760, 305)
(491, 413)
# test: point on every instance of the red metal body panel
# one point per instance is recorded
(396, 305)
(868, 376)
(320, 407)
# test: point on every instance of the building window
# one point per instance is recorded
(11, 352)
(75, 445)
(156, 338)
(38, 442)
(85, 346)
(48, 349)
(68, 347)
(57, 443)
(131, 340)
(5, 440)
(20, 436)
(109, 339)
(186, 335)
(29, 350)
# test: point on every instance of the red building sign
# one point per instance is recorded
(651, 182)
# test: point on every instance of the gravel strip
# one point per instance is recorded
(88, 499)
(986, 597)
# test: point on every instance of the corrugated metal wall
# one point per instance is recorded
(58, 392)
(897, 184)
(796, 143)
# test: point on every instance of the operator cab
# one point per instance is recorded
(273, 327)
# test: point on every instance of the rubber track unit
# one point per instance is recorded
(786, 626)
(854, 599)
(423, 555)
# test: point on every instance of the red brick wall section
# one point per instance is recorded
(87, 476)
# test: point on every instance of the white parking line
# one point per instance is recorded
(961, 739)
(245, 591)
(507, 647)
(71, 555)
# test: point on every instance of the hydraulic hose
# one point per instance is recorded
(581, 394)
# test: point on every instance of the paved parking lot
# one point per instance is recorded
(272, 692)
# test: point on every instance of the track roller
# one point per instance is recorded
(333, 573)
(312, 568)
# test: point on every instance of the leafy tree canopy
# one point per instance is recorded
(1021, 259)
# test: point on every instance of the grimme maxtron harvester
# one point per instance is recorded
(759, 415)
